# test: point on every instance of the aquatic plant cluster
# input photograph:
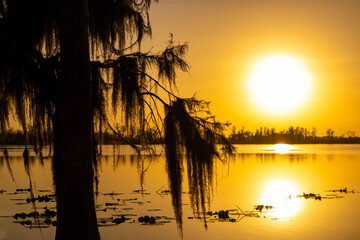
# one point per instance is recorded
(39, 220)
(326, 196)
(121, 210)
(117, 211)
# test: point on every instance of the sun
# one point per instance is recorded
(279, 85)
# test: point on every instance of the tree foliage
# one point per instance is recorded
(120, 85)
(292, 135)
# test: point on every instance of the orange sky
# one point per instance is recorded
(227, 37)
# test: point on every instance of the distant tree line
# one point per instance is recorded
(16, 137)
(263, 135)
(292, 135)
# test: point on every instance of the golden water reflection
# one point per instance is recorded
(279, 193)
(257, 175)
(281, 148)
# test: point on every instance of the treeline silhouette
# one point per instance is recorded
(16, 137)
(263, 135)
(292, 135)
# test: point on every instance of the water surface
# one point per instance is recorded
(280, 176)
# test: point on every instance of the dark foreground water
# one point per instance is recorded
(270, 191)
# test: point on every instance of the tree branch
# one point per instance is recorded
(156, 96)
(122, 138)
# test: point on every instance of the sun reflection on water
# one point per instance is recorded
(282, 148)
(277, 193)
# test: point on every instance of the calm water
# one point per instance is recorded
(269, 175)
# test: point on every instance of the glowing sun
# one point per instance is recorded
(279, 84)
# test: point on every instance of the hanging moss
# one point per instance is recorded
(30, 78)
(196, 138)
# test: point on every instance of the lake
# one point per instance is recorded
(269, 191)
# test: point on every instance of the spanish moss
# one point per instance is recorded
(114, 80)
(196, 138)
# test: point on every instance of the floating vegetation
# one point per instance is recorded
(280, 219)
(223, 214)
(17, 191)
(27, 222)
(111, 221)
(119, 220)
(44, 190)
(260, 208)
(147, 219)
(45, 198)
(108, 209)
(14, 193)
(139, 191)
(47, 214)
(40, 219)
(155, 220)
(163, 191)
(105, 222)
(112, 204)
(310, 196)
(125, 215)
(144, 220)
(129, 199)
(24, 215)
(343, 190)
(327, 196)
(233, 215)
(23, 190)
(127, 209)
(112, 194)
(143, 192)
(247, 213)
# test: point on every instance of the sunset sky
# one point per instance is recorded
(227, 38)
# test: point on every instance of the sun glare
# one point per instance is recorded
(277, 193)
(279, 84)
(281, 148)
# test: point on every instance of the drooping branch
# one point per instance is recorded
(155, 96)
(153, 117)
(184, 133)
(160, 85)
(121, 137)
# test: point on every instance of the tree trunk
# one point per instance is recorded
(72, 164)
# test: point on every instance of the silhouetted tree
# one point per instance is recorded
(63, 62)
(293, 135)
(350, 134)
(313, 132)
(330, 134)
